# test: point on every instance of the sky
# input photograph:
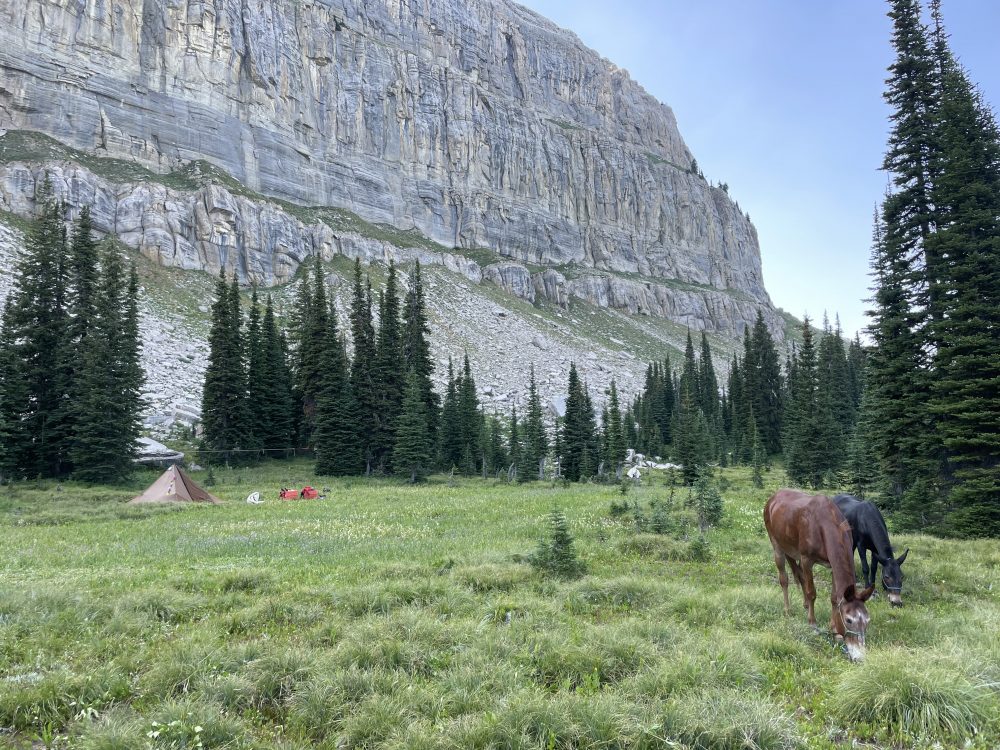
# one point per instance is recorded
(782, 100)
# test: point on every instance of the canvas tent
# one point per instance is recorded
(174, 486)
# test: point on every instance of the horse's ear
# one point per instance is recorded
(902, 557)
(867, 593)
(850, 593)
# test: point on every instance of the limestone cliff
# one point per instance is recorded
(475, 123)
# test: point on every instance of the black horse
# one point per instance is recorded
(869, 532)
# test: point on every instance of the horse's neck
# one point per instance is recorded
(842, 563)
(878, 535)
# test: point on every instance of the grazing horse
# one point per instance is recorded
(870, 534)
(809, 529)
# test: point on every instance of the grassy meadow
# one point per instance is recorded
(390, 616)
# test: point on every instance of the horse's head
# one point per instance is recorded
(850, 621)
(892, 578)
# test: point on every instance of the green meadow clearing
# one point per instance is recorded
(389, 616)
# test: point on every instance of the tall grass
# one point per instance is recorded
(391, 616)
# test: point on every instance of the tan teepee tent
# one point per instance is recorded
(174, 486)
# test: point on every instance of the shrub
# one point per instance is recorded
(557, 555)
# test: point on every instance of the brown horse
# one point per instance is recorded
(809, 529)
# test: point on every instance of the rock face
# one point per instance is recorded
(476, 123)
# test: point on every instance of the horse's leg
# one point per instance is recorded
(863, 551)
(809, 590)
(874, 577)
(779, 563)
(797, 572)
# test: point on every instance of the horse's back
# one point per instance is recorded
(801, 523)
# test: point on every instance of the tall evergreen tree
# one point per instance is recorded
(450, 434)
(577, 430)
(39, 325)
(803, 441)
(963, 269)
(273, 390)
(312, 324)
(223, 396)
(337, 446)
(514, 443)
(767, 404)
(413, 451)
(389, 373)
(535, 440)
(363, 366)
(416, 349)
(107, 419)
(615, 446)
(14, 400)
(470, 426)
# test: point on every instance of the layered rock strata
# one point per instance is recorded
(476, 123)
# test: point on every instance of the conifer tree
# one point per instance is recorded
(107, 419)
(337, 448)
(615, 444)
(535, 440)
(275, 404)
(514, 444)
(14, 400)
(963, 258)
(389, 372)
(256, 355)
(804, 447)
(450, 435)
(470, 427)
(223, 396)
(363, 365)
(413, 452)
(416, 349)
(767, 397)
(312, 330)
(577, 430)
(40, 327)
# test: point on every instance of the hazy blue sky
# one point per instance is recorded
(782, 99)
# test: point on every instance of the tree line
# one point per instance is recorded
(362, 400)
(70, 372)
(932, 413)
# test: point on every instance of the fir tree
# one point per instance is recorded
(615, 445)
(14, 400)
(362, 366)
(107, 418)
(413, 452)
(416, 349)
(389, 374)
(312, 326)
(514, 445)
(223, 396)
(963, 258)
(469, 420)
(766, 403)
(450, 435)
(39, 325)
(535, 440)
(275, 404)
(337, 447)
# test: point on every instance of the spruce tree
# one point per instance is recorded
(767, 404)
(615, 445)
(964, 300)
(413, 452)
(578, 439)
(107, 418)
(514, 445)
(535, 440)
(223, 396)
(389, 372)
(14, 400)
(39, 324)
(416, 349)
(311, 329)
(470, 426)
(275, 405)
(363, 365)
(337, 448)
(804, 448)
(450, 434)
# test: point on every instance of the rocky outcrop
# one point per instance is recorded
(477, 123)
(261, 241)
